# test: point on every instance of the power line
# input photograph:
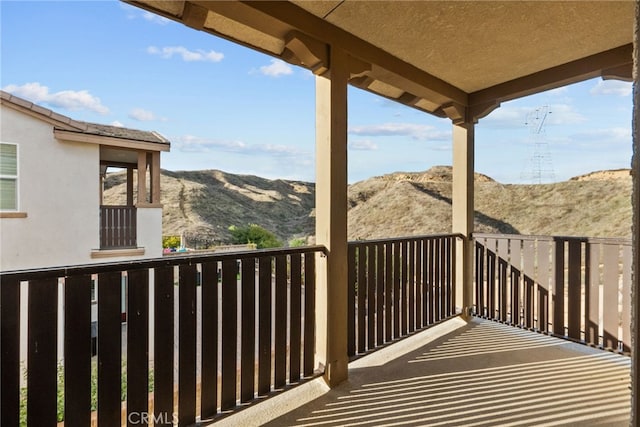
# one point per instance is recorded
(540, 166)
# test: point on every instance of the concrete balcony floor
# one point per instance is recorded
(479, 373)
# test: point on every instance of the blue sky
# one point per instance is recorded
(226, 107)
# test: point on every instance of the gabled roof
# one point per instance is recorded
(64, 125)
(458, 59)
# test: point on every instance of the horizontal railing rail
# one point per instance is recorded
(203, 335)
(577, 288)
(118, 227)
(398, 286)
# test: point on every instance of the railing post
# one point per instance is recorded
(331, 218)
(635, 287)
(463, 211)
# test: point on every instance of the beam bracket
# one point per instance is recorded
(306, 51)
(194, 15)
(456, 112)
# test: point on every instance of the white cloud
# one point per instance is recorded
(277, 68)
(187, 55)
(67, 99)
(133, 12)
(117, 123)
(415, 131)
(156, 19)
(615, 135)
(142, 115)
(612, 87)
(363, 145)
(194, 144)
(509, 116)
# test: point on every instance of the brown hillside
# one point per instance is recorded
(204, 204)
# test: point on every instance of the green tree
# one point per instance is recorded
(253, 233)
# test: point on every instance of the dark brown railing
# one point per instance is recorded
(398, 286)
(572, 287)
(245, 312)
(118, 227)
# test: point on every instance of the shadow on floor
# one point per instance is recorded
(483, 374)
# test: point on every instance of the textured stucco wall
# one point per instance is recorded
(58, 190)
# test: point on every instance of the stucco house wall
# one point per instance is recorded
(57, 189)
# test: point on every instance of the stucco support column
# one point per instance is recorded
(462, 205)
(635, 285)
(129, 186)
(331, 218)
(142, 178)
(155, 177)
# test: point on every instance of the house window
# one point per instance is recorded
(8, 177)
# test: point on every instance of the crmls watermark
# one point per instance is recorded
(145, 418)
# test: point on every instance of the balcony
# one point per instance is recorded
(118, 227)
(209, 337)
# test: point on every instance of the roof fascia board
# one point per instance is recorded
(551, 78)
(110, 141)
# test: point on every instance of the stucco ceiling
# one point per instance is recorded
(431, 54)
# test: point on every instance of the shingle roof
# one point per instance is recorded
(68, 124)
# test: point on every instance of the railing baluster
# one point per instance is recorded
(309, 312)
(544, 248)
(229, 333)
(610, 303)
(10, 351)
(264, 322)
(280, 329)
(209, 381)
(248, 344)
(163, 345)
(574, 288)
(295, 318)
(109, 345)
(592, 294)
(371, 296)
(626, 301)
(411, 259)
(137, 344)
(426, 280)
(388, 288)
(42, 363)
(380, 262)
(558, 287)
(362, 293)
(351, 300)
(404, 287)
(187, 345)
(396, 289)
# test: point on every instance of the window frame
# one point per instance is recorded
(15, 177)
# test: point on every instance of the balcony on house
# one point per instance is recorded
(546, 310)
(118, 227)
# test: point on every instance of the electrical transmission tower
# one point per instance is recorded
(540, 167)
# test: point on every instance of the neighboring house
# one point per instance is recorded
(52, 170)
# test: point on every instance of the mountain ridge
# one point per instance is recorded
(203, 204)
